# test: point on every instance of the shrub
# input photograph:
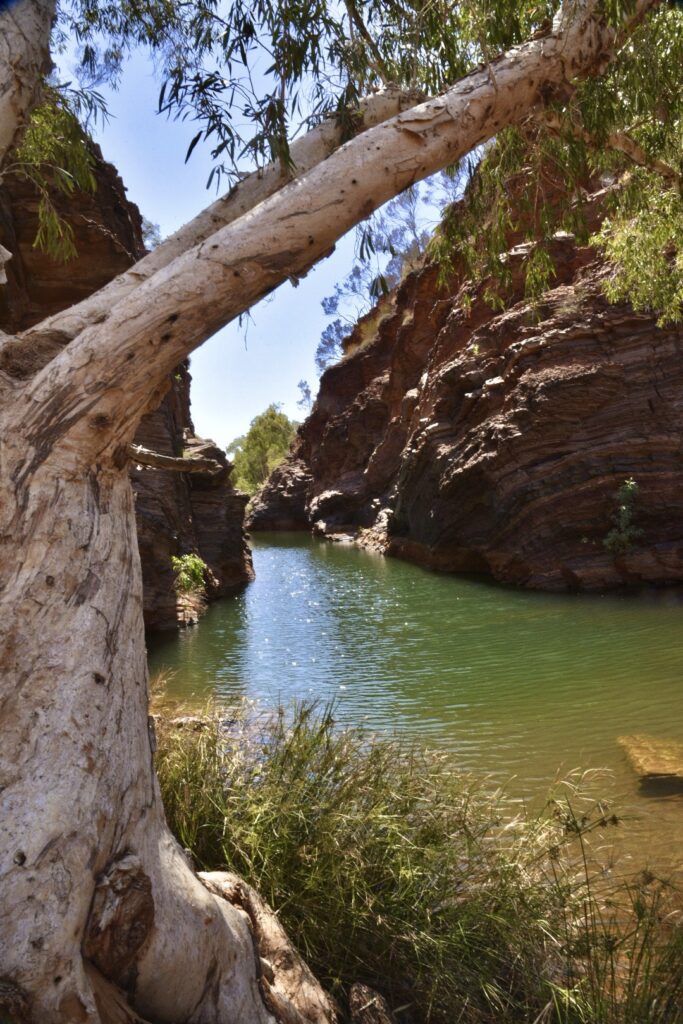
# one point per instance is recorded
(190, 573)
(388, 866)
(622, 537)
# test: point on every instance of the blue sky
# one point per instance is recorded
(241, 370)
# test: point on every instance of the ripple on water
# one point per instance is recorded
(518, 684)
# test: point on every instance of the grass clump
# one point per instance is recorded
(388, 866)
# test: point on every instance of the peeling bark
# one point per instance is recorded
(120, 921)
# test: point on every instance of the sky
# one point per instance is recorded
(240, 370)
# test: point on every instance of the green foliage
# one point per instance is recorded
(386, 864)
(261, 449)
(250, 72)
(624, 534)
(55, 155)
(190, 573)
(644, 241)
(532, 183)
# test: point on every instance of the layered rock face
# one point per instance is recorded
(108, 237)
(176, 513)
(182, 513)
(474, 441)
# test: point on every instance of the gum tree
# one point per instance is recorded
(101, 916)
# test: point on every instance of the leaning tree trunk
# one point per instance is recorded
(96, 899)
(98, 885)
(95, 874)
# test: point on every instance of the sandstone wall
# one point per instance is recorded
(497, 442)
(176, 513)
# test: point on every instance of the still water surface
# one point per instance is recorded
(522, 686)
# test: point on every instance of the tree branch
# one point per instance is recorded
(98, 387)
(377, 61)
(619, 141)
(155, 460)
(306, 153)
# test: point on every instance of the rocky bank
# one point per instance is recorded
(470, 440)
(177, 513)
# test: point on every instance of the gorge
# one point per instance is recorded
(465, 440)
(474, 440)
(413, 894)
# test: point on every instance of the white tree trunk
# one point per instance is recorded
(95, 896)
(78, 787)
(89, 874)
(314, 147)
(24, 58)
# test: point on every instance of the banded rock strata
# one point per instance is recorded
(496, 442)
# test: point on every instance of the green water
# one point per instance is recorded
(523, 686)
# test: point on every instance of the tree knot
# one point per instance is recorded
(120, 920)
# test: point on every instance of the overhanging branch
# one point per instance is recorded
(619, 141)
(306, 153)
(155, 460)
(99, 386)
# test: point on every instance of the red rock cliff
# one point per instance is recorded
(497, 442)
(176, 513)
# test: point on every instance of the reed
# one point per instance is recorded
(389, 866)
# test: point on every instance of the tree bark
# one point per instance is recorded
(25, 27)
(54, 333)
(79, 793)
(144, 457)
(96, 898)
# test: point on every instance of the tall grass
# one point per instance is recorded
(386, 865)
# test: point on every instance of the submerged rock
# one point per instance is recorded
(653, 758)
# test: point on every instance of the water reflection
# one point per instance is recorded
(516, 683)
